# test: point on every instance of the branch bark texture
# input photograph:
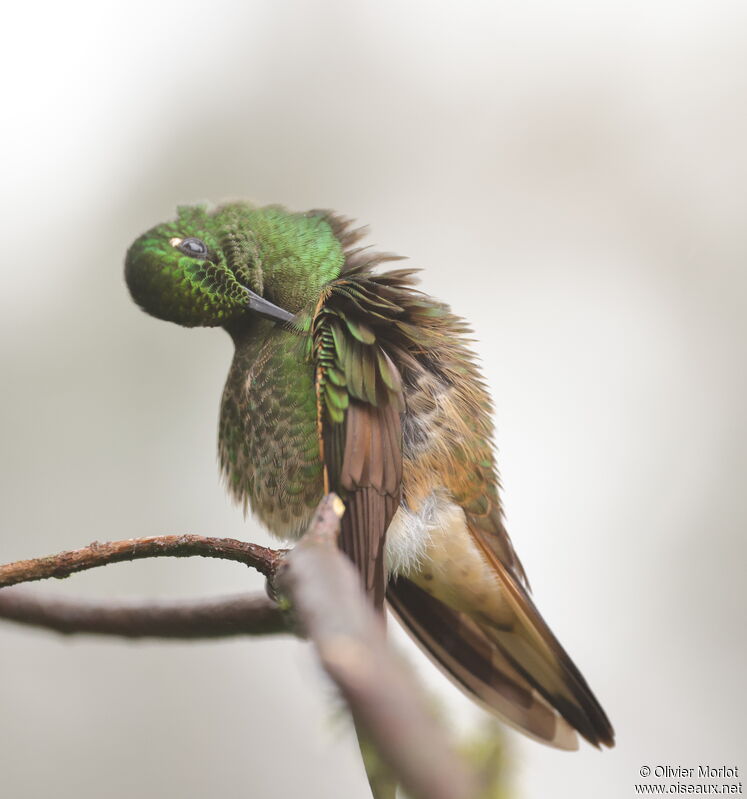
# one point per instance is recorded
(327, 604)
(262, 559)
(243, 614)
(349, 638)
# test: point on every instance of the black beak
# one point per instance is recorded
(265, 308)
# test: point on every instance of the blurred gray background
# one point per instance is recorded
(571, 178)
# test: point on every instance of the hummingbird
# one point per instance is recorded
(347, 378)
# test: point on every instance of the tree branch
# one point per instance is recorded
(242, 614)
(262, 559)
(350, 641)
(326, 596)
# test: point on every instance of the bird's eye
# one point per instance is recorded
(194, 247)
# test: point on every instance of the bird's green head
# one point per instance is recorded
(217, 268)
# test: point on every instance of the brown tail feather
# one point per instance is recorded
(537, 654)
(463, 650)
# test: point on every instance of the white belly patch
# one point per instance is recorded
(410, 534)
